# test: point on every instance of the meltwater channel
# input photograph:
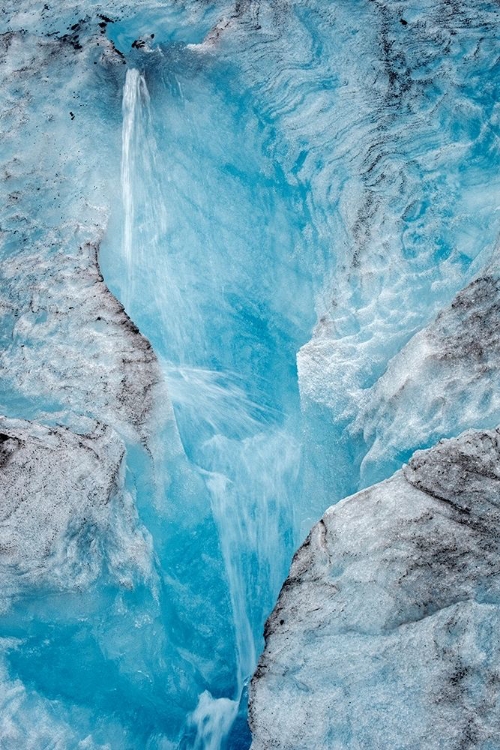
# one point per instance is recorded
(285, 195)
(208, 266)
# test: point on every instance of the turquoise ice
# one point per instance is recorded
(226, 234)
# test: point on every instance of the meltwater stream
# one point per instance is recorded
(208, 269)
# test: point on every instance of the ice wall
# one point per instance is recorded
(221, 300)
(283, 196)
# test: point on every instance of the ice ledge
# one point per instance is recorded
(384, 632)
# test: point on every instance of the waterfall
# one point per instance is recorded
(249, 491)
(134, 86)
(144, 214)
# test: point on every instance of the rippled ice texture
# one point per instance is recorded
(282, 195)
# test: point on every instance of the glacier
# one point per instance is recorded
(249, 264)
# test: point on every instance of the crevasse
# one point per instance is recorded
(230, 370)
(265, 182)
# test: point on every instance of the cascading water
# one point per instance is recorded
(134, 88)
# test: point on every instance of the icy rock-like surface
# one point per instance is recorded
(409, 231)
(384, 634)
(63, 512)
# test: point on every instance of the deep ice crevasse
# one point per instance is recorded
(385, 213)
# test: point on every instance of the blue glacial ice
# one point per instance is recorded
(248, 265)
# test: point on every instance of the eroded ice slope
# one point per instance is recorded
(454, 362)
(384, 634)
(65, 339)
(62, 509)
